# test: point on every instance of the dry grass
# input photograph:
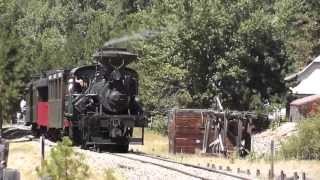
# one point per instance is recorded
(311, 168)
(153, 143)
(105, 174)
(25, 157)
(157, 144)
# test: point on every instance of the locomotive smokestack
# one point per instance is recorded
(145, 35)
(114, 56)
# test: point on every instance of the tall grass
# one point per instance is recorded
(306, 143)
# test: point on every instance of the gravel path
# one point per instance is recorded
(261, 142)
(135, 167)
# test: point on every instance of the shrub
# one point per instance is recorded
(305, 144)
(159, 124)
(64, 163)
(183, 98)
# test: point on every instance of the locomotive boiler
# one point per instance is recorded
(95, 105)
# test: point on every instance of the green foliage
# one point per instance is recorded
(238, 50)
(252, 157)
(305, 144)
(64, 163)
(275, 124)
(159, 124)
(183, 98)
(232, 50)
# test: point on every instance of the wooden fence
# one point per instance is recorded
(257, 173)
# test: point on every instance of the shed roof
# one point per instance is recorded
(305, 100)
(309, 85)
(295, 75)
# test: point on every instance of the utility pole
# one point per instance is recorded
(1, 119)
(1, 114)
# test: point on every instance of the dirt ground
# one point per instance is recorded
(158, 145)
(25, 156)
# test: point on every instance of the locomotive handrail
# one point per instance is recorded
(85, 94)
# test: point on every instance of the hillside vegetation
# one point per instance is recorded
(189, 51)
(305, 144)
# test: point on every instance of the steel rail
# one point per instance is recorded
(195, 166)
(176, 169)
(160, 165)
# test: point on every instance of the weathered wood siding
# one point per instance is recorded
(186, 130)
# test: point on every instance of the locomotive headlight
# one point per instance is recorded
(137, 99)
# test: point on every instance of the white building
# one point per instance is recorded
(308, 89)
(308, 79)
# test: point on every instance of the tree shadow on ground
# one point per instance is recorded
(15, 133)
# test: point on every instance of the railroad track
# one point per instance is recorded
(187, 170)
(193, 171)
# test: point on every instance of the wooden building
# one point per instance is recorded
(301, 108)
(209, 131)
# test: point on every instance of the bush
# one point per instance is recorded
(306, 144)
(159, 124)
(64, 163)
(183, 98)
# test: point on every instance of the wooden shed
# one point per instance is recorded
(301, 108)
(186, 128)
(207, 131)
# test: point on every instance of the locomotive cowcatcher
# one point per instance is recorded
(95, 105)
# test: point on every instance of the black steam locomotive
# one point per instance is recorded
(95, 105)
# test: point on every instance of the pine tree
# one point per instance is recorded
(64, 163)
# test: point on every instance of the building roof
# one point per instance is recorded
(295, 75)
(305, 100)
(310, 85)
(317, 59)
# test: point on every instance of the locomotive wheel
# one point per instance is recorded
(84, 144)
(66, 131)
(75, 135)
(84, 139)
(82, 131)
(53, 135)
